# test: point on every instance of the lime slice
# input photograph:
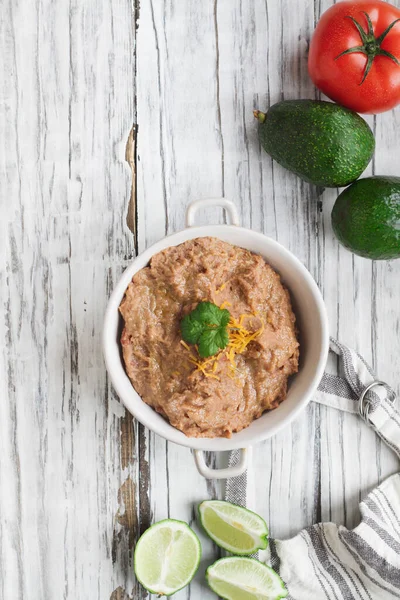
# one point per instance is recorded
(239, 578)
(233, 527)
(166, 557)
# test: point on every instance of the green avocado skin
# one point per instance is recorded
(323, 143)
(366, 217)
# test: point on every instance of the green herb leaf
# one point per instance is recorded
(191, 329)
(206, 326)
(213, 340)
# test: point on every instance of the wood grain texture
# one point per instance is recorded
(68, 482)
(79, 479)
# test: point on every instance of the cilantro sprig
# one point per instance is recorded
(206, 326)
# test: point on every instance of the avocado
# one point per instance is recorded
(366, 217)
(323, 143)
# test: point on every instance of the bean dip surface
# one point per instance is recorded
(226, 394)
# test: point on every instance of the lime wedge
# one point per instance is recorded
(239, 578)
(166, 557)
(233, 527)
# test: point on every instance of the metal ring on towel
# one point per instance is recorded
(363, 406)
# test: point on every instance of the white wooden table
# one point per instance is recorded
(79, 479)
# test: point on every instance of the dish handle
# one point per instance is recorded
(234, 471)
(227, 205)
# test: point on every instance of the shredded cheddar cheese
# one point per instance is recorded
(239, 339)
(201, 366)
(185, 345)
(221, 288)
(225, 304)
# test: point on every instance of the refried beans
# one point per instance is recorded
(159, 365)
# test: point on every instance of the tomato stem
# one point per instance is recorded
(371, 45)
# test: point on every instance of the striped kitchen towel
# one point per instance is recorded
(327, 561)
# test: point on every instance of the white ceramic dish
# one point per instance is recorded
(311, 318)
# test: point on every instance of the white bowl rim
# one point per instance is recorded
(166, 430)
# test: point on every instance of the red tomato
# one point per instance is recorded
(355, 55)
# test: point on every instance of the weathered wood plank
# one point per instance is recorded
(68, 484)
(178, 96)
